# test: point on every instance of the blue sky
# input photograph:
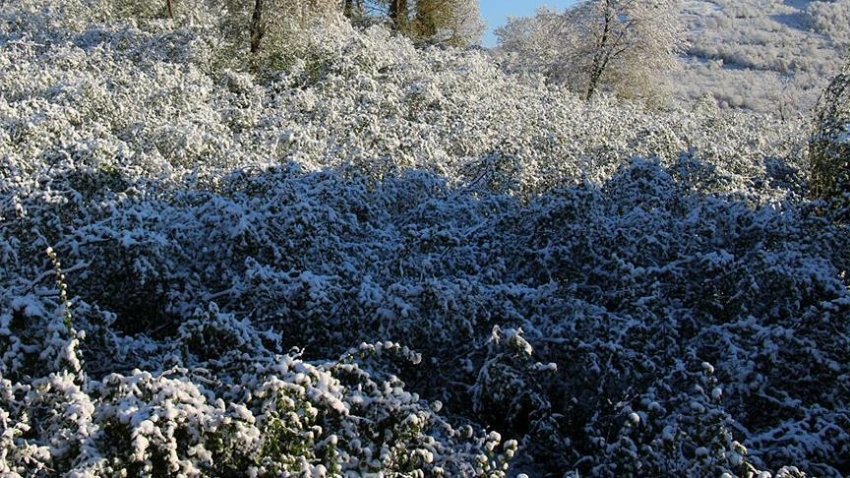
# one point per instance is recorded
(496, 12)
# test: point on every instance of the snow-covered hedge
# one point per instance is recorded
(367, 257)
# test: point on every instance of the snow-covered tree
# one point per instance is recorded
(629, 43)
(256, 22)
(536, 44)
(626, 46)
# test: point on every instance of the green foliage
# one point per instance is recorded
(829, 147)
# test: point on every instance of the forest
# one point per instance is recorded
(279, 238)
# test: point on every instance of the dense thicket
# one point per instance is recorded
(370, 257)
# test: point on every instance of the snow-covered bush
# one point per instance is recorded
(659, 278)
(378, 258)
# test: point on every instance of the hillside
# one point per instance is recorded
(354, 255)
(766, 55)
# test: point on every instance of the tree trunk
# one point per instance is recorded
(257, 29)
(398, 14)
(353, 8)
(170, 8)
(601, 55)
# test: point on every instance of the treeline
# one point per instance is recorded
(455, 22)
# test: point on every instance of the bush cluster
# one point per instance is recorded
(369, 257)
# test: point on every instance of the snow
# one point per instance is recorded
(395, 252)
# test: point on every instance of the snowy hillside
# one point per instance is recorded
(358, 256)
(767, 55)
